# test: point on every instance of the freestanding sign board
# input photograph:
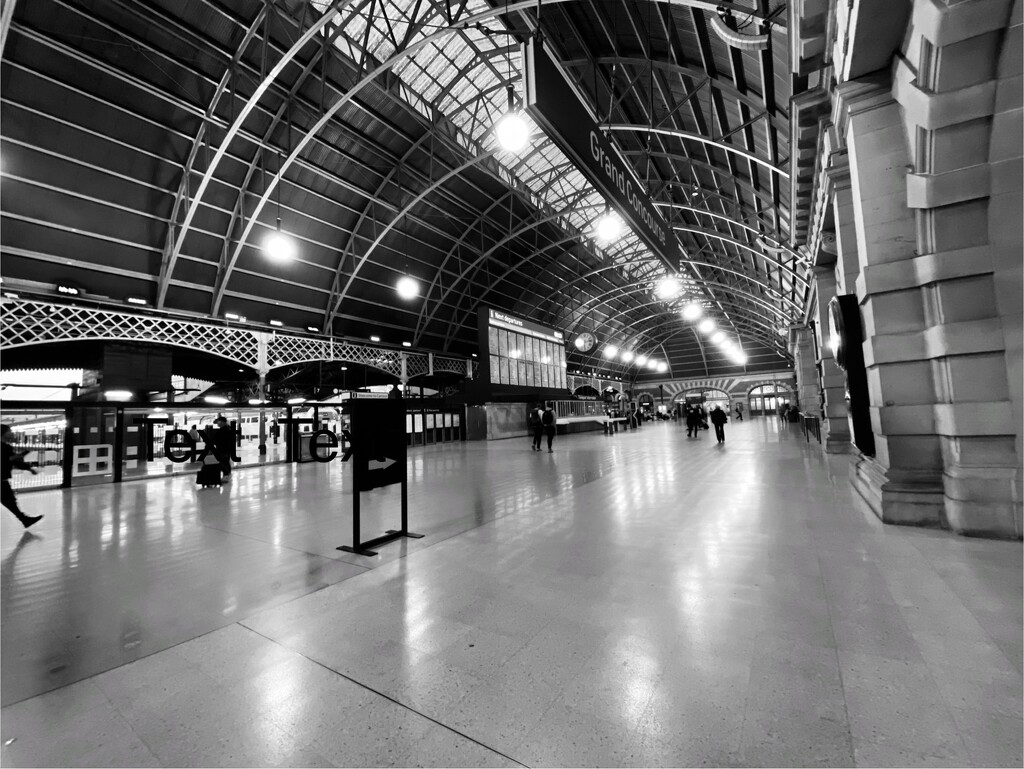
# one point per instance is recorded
(378, 455)
(554, 105)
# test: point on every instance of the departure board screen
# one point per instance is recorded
(524, 354)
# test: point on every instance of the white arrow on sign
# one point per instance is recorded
(377, 464)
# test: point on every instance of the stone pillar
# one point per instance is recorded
(948, 85)
(835, 418)
(801, 346)
(903, 481)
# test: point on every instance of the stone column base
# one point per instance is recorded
(983, 501)
(910, 503)
(839, 444)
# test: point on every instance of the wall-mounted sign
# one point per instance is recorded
(553, 104)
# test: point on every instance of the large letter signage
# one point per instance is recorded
(554, 105)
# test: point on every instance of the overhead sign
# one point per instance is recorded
(523, 326)
(553, 104)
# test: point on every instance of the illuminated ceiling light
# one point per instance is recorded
(627, 356)
(512, 131)
(652, 364)
(278, 246)
(136, 300)
(231, 315)
(276, 323)
(118, 395)
(293, 401)
(717, 337)
(641, 360)
(668, 288)
(545, 359)
(406, 344)
(374, 338)
(739, 357)
(255, 401)
(692, 311)
(608, 227)
(63, 288)
(706, 326)
(610, 351)
(407, 287)
(216, 400)
(314, 329)
(662, 367)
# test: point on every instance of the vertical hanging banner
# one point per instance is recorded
(555, 106)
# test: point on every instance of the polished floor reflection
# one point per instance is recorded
(637, 599)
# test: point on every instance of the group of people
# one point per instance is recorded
(697, 420)
(542, 422)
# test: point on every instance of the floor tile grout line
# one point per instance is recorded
(387, 697)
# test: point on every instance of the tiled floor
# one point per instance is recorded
(637, 599)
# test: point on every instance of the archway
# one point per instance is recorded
(765, 399)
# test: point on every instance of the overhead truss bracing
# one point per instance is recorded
(150, 145)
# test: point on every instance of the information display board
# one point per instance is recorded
(521, 353)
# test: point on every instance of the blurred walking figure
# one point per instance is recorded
(537, 425)
(10, 460)
(548, 419)
(692, 420)
(718, 419)
(739, 411)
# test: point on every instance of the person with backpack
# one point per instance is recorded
(537, 425)
(548, 420)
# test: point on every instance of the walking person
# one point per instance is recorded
(224, 444)
(692, 421)
(718, 419)
(536, 425)
(9, 460)
(548, 420)
(739, 411)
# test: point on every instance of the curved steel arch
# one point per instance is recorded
(727, 87)
(705, 212)
(697, 138)
(401, 214)
(530, 257)
(656, 342)
(372, 201)
(164, 275)
(525, 225)
(345, 98)
(636, 288)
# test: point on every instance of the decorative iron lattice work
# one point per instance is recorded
(27, 322)
(450, 365)
(416, 365)
(283, 350)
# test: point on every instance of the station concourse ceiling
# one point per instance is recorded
(138, 162)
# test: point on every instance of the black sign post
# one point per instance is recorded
(377, 446)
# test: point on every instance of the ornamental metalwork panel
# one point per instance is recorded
(284, 349)
(450, 365)
(416, 364)
(27, 322)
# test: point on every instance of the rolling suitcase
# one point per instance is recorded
(209, 473)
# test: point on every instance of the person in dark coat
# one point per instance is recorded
(692, 421)
(224, 444)
(718, 419)
(537, 425)
(739, 411)
(8, 461)
(548, 419)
